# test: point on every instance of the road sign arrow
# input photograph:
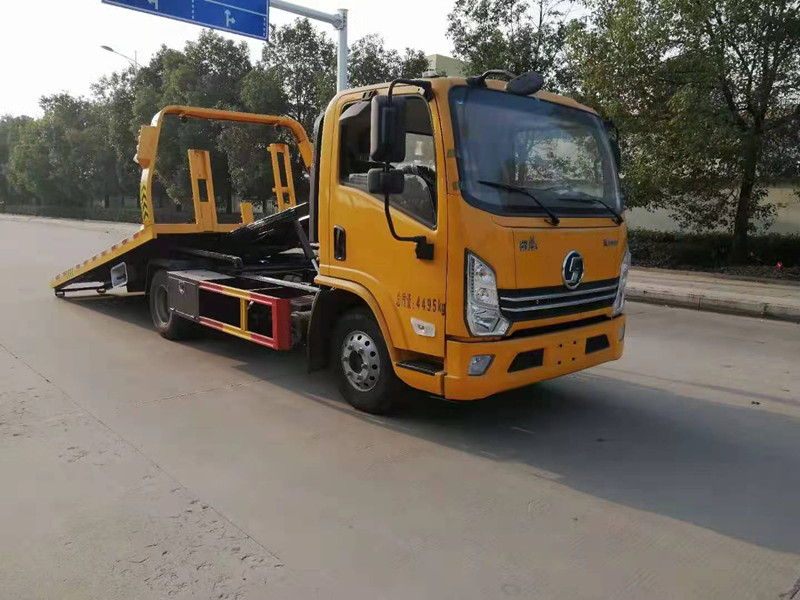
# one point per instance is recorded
(245, 17)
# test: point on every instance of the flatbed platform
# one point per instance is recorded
(252, 246)
(91, 266)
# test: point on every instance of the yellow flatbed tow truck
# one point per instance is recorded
(460, 236)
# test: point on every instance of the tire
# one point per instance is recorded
(166, 322)
(364, 370)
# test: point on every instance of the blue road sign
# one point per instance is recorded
(245, 17)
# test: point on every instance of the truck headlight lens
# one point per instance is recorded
(483, 308)
(619, 301)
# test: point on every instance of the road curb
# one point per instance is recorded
(726, 276)
(734, 306)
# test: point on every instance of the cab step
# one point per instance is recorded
(428, 367)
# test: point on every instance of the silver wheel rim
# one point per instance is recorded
(361, 362)
(161, 305)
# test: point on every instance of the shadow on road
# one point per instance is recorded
(732, 470)
(131, 309)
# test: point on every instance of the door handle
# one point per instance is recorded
(339, 243)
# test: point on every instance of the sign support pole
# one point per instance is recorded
(339, 22)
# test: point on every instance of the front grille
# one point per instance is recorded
(556, 301)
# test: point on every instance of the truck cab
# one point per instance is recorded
(516, 195)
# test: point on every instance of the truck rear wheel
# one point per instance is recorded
(363, 367)
(166, 322)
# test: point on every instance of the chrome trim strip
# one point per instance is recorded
(561, 304)
(560, 295)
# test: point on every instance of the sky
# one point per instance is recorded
(54, 46)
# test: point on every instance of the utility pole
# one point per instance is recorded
(339, 22)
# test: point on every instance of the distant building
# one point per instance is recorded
(447, 65)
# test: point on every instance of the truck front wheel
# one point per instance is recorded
(363, 367)
(166, 322)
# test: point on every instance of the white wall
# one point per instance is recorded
(786, 202)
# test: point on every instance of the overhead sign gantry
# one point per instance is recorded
(243, 17)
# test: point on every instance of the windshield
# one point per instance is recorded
(559, 154)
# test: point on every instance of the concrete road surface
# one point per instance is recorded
(134, 467)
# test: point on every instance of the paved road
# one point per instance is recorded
(133, 467)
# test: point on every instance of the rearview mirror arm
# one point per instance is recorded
(614, 141)
(427, 88)
(423, 248)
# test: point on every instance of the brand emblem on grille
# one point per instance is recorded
(572, 270)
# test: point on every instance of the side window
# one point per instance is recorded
(419, 199)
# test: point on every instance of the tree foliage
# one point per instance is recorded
(11, 129)
(63, 155)
(303, 59)
(371, 62)
(518, 35)
(706, 92)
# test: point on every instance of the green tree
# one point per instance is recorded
(707, 90)
(303, 60)
(413, 63)
(63, 158)
(115, 95)
(371, 62)
(10, 132)
(518, 35)
(29, 164)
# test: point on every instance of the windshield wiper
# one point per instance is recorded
(618, 219)
(554, 220)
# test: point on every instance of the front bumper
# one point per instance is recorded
(563, 352)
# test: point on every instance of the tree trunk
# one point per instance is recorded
(740, 248)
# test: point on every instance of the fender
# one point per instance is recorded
(169, 264)
(336, 296)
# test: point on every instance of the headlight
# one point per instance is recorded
(619, 301)
(483, 309)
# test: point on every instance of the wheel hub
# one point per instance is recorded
(360, 361)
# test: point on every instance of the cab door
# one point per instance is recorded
(409, 291)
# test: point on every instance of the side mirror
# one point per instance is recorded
(383, 182)
(388, 130)
(526, 84)
(146, 148)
